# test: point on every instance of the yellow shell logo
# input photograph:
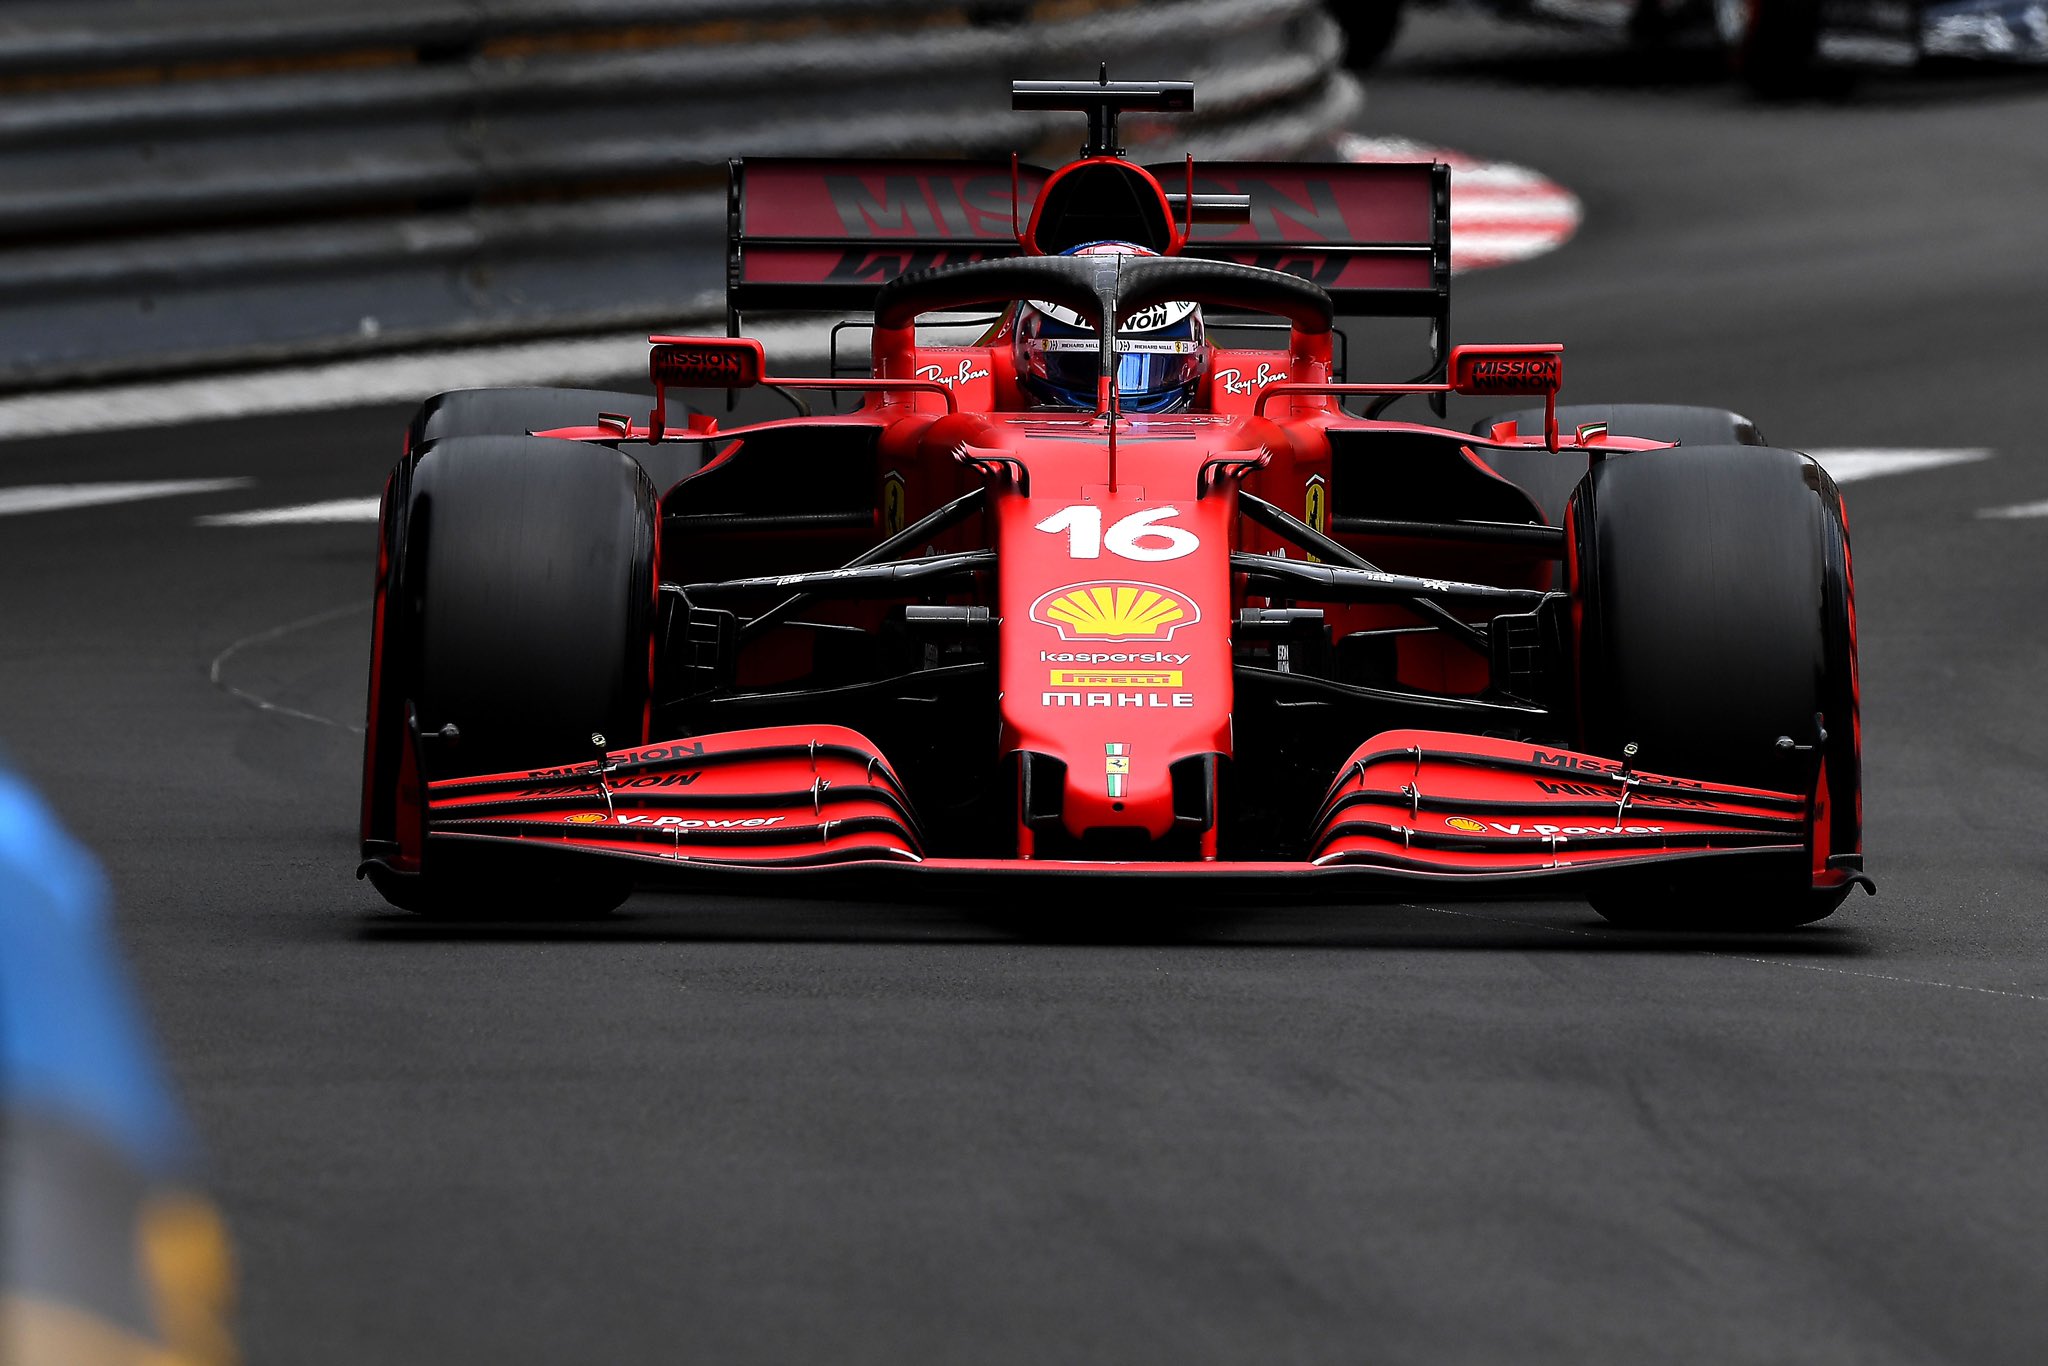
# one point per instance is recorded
(1114, 611)
(1467, 824)
(587, 818)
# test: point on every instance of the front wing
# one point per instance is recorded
(1410, 807)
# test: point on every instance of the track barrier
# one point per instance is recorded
(194, 184)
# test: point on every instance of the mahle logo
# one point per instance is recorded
(1116, 610)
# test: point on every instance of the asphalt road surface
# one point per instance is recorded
(857, 1131)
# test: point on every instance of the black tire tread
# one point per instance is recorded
(1713, 585)
(529, 561)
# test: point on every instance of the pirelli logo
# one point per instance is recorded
(1116, 678)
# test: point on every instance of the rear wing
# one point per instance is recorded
(824, 235)
(814, 235)
(1377, 236)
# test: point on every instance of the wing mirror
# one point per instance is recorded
(1534, 370)
(706, 362)
(1525, 371)
(700, 363)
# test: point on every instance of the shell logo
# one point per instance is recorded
(587, 818)
(1466, 824)
(1116, 610)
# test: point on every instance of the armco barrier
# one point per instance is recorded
(193, 183)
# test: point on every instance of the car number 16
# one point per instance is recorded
(1136, 537)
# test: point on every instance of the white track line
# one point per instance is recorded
(335, 510)
(220, 660)
(405, 378)
(59, 497)
(2017, 511)
(1869, 462)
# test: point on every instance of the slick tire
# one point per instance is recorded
(530, 580)
(1716, 615)
(1550, 480)
(517, 605)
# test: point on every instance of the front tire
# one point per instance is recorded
(517, 606)
(1716, 616)
(531, 582)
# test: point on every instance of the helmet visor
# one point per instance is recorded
(1145, 366)
(1160, 355)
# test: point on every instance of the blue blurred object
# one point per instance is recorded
(72, 1042)
(110, 1254)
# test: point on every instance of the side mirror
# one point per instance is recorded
(706, 362)
(1535, 370)
(700, 363)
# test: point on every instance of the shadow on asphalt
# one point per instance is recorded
(1525, 927)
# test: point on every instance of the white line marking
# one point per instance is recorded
(59, 497)
(213, 671)
(2017, 511)
(1877, 976)
(334, 510)
(1870, 462)
(1738, 957)
(405, 378)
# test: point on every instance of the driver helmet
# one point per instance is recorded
(1161, 350)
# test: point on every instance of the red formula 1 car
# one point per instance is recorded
(1103, 596)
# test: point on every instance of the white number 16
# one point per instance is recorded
(1136, 537)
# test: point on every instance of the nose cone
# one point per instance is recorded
(1115, 667)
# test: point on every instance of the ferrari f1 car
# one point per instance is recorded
(990, 625)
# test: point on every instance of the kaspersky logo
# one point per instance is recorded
(1114, 610)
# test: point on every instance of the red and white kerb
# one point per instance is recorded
(1500, 212)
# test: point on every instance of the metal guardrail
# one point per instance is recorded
(196, 183)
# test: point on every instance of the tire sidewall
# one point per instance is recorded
(1749, 548)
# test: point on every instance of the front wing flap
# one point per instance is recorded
(1409, 806)
(784, 796)
(1472, 806)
